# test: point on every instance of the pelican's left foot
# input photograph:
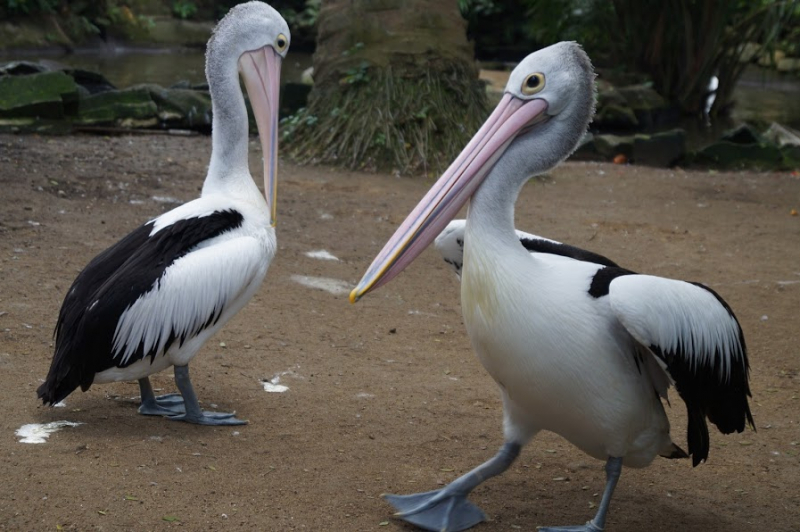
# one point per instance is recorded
(209, 418)
(438, 510)
(170, 404)
(613, 470)
(193, 412)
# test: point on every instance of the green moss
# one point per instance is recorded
(115, 106)
(44, 95)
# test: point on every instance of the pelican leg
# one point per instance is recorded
(193, 412)
(613, 470)
(448, 509)
(163, 405)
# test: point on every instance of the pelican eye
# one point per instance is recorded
(281, 42)
(533, 83)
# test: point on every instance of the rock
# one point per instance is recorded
(743, 134)
(749, 52)
(782, 135)
(180, 108)
(609, 146)
(607, 94)
(791, 156)
(642, 96)
(789, 64)
(42, 95)
(647, 105)
(18, 68)
(729, 154)
(116, 107)
(631, 107)
(769, 60)
(35, 125)
(613, 116)
(307, 77)
(91, 81)
(666, 148)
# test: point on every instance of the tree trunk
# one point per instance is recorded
(395, 87)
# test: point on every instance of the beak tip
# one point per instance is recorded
(354, 297)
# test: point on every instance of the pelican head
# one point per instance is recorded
(545, 110)
(252, 40)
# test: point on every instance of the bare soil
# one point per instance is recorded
(385, 395)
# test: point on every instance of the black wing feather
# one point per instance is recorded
(724, 403)
(565, 250)
(108, 285)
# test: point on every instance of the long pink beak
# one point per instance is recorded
(451, 191)
(261, 72)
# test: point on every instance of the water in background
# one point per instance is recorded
(762, 96)
(127, 67)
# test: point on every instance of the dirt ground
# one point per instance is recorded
(385, 395)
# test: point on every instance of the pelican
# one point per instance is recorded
(154, 298)
(577, 345)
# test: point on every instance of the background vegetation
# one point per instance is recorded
(675, 44)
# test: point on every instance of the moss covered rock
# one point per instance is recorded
(47, 95)
(727, 154)
(129, 106)
(180, 108)
(666, 148)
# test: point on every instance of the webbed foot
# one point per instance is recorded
(439, 510)
(209, 418)
(170, 404)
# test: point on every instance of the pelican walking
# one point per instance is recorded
(154, 298)
(577, 345)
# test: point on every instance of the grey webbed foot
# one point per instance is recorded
(437, 510)
(164, 405)
(613, 471)
(448, 509)
(193, 412)
(209, 418)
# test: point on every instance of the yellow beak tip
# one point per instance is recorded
(354, 296)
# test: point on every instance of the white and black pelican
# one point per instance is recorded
(577, 345)
(152, 300)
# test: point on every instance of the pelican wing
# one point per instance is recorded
(189, 297)
(697, 339)
(112, 282)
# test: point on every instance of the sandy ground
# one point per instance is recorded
(386, 395)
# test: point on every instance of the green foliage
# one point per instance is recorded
(357, 74)
(678, 44)
(27, 7)
(79, 18)
(681, 44)
(184, 9)
(304, 18)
